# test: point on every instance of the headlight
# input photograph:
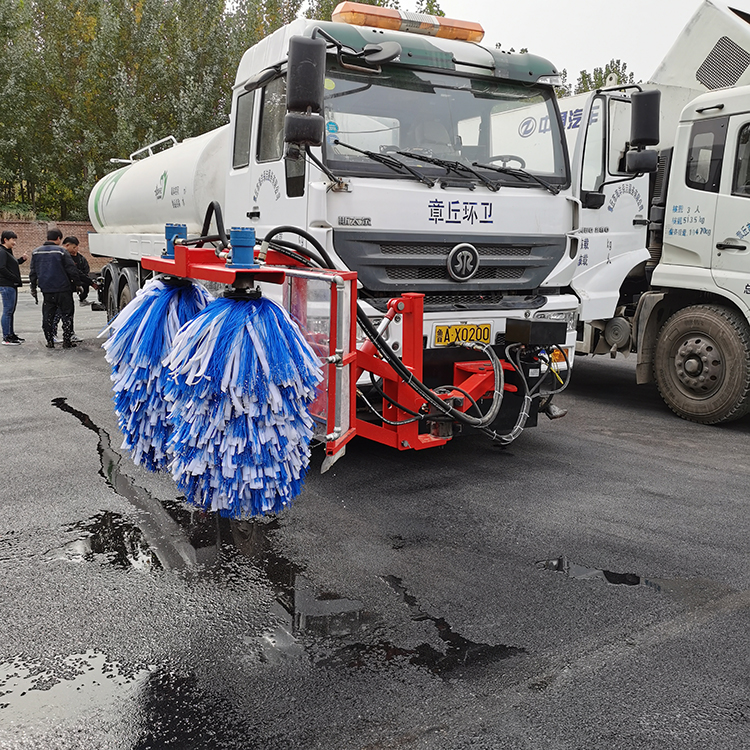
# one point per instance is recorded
(361, 334)
(569, 316)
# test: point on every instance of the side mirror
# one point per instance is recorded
(303, 124)
(637, 162)
(644, 122)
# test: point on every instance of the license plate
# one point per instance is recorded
(449, 335)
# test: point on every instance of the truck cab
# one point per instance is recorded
(666, 271)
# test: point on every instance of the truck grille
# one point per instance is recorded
(389, 264)
(484, 250)
(443, 302)
(400, 273)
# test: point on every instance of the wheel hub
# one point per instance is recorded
(699, 364)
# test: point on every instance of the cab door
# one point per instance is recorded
(264, 190)
(731, 235)
(277, 194)
(611, 235)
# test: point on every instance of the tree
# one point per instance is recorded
(565, 88)
(431, 7)
(600, 77)
(95, 79)
(322, 10)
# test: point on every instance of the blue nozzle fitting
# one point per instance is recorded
(242, 240)
(174, 232)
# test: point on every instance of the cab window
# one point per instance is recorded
(273, 110)
(705, 153)
(741, 180)
(243, 120)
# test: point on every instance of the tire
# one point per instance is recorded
(111, 300)
(125, 296)
(702, 364)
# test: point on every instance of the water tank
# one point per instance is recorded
(173, 186)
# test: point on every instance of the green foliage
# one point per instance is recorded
(614, 73)
(95, 79)
(565, 88)
(322, 10)
(429, 6)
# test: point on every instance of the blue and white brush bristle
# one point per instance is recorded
(242, 379)
(141, 338)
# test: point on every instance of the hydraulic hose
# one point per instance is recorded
(213, 210)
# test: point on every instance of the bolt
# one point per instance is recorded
(400, 306)
(405, 444)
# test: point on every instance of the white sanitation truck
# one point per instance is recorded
(664, 263)
(443, 170)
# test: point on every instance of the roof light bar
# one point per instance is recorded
(359, 14)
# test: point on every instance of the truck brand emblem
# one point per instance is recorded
(355, 221)
(527, 127)
(463, 262)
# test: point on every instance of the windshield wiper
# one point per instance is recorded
(452, 166)
(520, 173)
(388, 161)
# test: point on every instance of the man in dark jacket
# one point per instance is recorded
(84, 280)
(54, 272)
(10, 281)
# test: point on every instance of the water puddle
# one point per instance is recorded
(110, 538)
(460, 653)
(64, 688)
(693, 592)
(579, 572)
(170, 535)
(161, 535)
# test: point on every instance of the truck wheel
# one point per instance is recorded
(125, 296)
(111, 300)
(702, 364)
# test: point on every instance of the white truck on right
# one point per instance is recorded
(664, 258)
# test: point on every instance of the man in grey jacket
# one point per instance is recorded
(54, 272)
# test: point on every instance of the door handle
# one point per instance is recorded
(729, 246)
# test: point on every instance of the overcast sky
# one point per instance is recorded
(584, 34)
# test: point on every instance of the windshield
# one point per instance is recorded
(406, 113)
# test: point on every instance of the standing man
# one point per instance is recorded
(10, 281)
(54, 271)
(85, 281)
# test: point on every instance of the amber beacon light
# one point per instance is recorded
(359, 14)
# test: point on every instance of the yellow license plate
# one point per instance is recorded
(449, 335)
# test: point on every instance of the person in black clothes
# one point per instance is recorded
(85, 281)
(54, 272)
(10, 281)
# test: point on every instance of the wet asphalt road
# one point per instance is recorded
(588, 587)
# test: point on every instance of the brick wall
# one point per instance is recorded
(31, 234)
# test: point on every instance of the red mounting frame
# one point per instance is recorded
(475, 377)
